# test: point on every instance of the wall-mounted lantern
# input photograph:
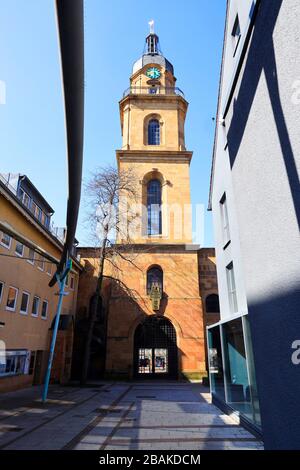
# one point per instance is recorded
(155, 295)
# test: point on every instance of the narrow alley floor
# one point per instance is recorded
(121, 416)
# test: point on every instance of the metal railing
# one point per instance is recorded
(153, 90)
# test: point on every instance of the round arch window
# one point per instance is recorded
(154, 276)
(212, 304)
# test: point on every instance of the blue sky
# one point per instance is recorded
(32, 120)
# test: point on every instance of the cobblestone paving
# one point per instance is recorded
(122, 416)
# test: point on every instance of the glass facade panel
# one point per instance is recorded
(238, 389)
(215, 362)
(251, 369)
(237, 384)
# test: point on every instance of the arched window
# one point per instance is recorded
(212, 303)
(154, 276)
(153, 132)
(154, 207)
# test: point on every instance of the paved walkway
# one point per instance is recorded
(156, 416)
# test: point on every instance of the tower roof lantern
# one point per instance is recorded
(152, 41)
(152, 46)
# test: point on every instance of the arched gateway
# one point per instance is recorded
(155, 349)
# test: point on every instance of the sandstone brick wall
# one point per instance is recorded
(128, 304)
(208, 283)
(208, 280)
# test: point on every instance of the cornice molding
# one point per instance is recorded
(148, 248)
(153, 156)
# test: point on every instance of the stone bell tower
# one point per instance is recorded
(155, 320)
(152, 113)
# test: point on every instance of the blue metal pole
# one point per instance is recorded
(61, 280)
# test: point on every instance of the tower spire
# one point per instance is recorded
(152, 41)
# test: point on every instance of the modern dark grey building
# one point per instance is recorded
(255, 199)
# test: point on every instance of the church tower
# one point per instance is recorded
(152, 113)
(155, 319)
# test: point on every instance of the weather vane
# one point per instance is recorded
(151, 24)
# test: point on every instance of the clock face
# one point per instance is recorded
(153, 72)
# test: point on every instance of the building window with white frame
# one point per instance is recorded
(24, 198)
(35, 306)
(47, 221)
(225, 220)
(44, 312)
(19, 250)
(13, 362)
(33, 207)
(12, 299)
(40, 263)
(24, 303)
(49, 267)
(32, 362)
(38, 213)
(5, 240)
(43, 218)
(30, 256)
(231, 288)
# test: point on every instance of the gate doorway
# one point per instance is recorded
(155, 349)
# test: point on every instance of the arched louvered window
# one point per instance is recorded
(212, 304)
(153, 132)
(154, 276)
(154, 207)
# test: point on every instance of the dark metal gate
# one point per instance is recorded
(155, 349)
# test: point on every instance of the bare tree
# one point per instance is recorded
(109, 195)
